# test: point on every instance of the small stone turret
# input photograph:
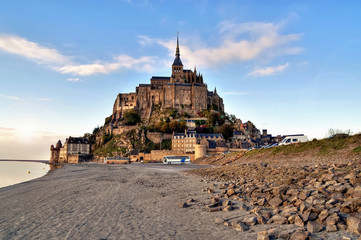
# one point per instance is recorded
(55, 152)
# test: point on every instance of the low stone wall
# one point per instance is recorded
(157, 137)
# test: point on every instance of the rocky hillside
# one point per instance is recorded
(315, 188)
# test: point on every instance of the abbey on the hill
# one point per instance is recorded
(184, 90)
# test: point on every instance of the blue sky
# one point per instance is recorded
(288, 66)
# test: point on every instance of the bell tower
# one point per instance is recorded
(177, 67)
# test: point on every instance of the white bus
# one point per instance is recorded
(176, 160)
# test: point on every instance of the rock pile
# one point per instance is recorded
(323, 197)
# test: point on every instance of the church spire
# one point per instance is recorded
(177, 60)
(177, 54)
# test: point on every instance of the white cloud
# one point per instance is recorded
(73, 79)
(239, 42)
(63, 64)
(31, 50)
(142, 64)
(10, 97)
(235, 93)
(268, 70)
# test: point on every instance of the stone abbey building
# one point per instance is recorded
(184, 90)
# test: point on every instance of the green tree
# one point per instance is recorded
(165, 128)
(107, 120)
(226, 130)
(131, 117)
(215, 117)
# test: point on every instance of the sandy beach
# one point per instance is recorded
(96, 201)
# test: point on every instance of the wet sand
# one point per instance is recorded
(97, 201)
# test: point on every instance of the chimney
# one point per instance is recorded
(264, 132)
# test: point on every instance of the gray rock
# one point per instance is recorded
(226, 203)
(231, 191)
(298, 221)
(183, 205)
(219, 220)
(314, 227)
(354, 224)
(239, 226)
(262, 235)
(331, 228)
(250, 220)
(278, 219)
(243, 207)
(357, 192)
(275, 202)
(227, 208)
(302, 235)
(323, 215)
(332, 219)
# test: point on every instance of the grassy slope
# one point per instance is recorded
(331, 149)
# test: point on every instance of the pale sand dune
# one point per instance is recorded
(95, 201)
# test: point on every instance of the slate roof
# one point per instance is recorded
(160, 78)
(78, 140)
(177, 61)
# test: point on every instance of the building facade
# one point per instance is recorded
(74, 150)
(186, 142)
(183, 90)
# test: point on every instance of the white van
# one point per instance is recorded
(294, 139)
(176, 160)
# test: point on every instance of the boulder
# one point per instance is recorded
(262, 235)
(250, 220)
(183, 205)
(243, 207)
(298, 221)
(357, 192)
(219, 220)
(227, 208)
(278, 219)
(226, 203)
(239, 226)
(231, 191)
(354, 224)
(323, 215)
(302, 235)
(332, 219)
(275, 202)
(314, 227)
(331, 228)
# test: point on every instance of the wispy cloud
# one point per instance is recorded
(122, 62)
(268, 70)
(73, 79)
(65, 65)
(235, 93)
(7, 132)
(31, 50)
(10, 97)
(239, 42)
